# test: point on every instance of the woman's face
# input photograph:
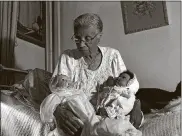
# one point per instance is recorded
(87, 39)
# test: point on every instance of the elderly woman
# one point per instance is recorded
(90, 65)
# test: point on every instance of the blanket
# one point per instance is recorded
(164, 122)
(33, 89)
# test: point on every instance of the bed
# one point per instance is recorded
(20, 107)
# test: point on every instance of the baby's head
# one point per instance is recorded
(60, 81)
(124, 78)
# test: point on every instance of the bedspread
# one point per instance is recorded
(20, 120)
(163, 125)
(164, 122)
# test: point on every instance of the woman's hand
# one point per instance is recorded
(68, 121)
(136, 115)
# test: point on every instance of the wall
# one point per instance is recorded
(154, 55)
(29, 56)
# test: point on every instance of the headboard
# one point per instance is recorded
(13, 71)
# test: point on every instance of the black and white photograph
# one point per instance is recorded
(90, 68)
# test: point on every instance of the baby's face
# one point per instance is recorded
(60, 81)
(122, 80)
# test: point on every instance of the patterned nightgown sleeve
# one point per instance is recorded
(63, 66)
(117, 64)
(63, 71)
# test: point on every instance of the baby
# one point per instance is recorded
(116, 98)
(112, 106)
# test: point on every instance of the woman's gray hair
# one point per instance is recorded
(88, 19)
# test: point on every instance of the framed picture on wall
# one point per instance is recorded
(31, 25)
(143, 15)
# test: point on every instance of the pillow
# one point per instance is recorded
(33, 89)
(37, 84)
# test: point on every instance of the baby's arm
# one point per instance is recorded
(126, 93)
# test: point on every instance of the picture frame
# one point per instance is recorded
(31, 23)
(143, 15)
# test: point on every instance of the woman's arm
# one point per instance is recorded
(64, 65)
(117, 64)
(66, 119)
(136, 115)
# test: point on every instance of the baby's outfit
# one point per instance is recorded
(117, 101)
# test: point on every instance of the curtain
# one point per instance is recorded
(53, 33)
(8, 24)
(28, 12)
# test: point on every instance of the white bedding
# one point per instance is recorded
(164, 122)
(19, 120)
